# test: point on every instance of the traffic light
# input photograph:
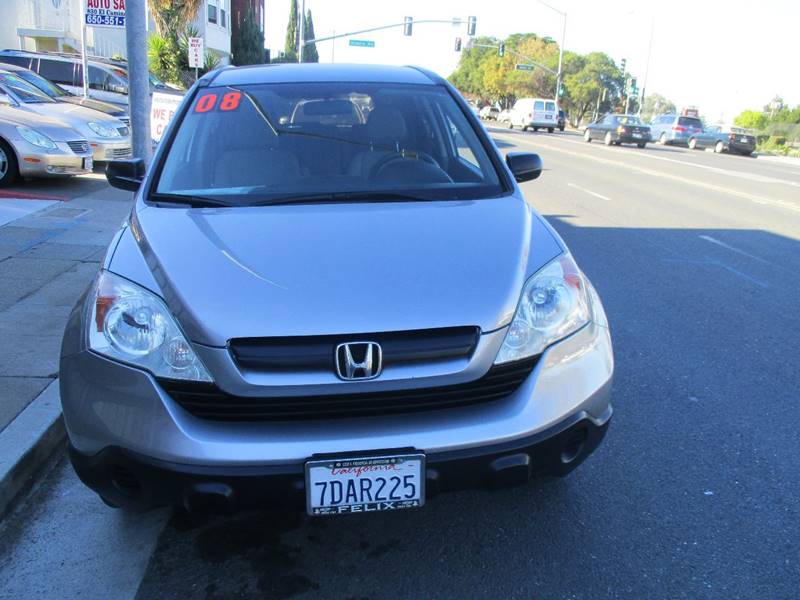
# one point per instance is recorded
(408, 23)
(622, 64)
(561, 90)
(501, 49)
(458, 44)
(471, 21)
(634, 89)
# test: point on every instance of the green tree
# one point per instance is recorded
(161, 58)
(247, 48)
(310, 53)
(656, 104)
(597, 75)
(172, 16)
(751, 119)
(290, 46)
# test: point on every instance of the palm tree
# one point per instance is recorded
(172, 16)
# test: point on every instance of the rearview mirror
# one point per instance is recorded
(126, 174)
(524, 166)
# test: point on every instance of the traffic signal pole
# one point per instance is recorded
(138, 78)
(404, 24)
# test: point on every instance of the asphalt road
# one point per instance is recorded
(694, 494)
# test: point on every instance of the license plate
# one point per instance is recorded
(88, 164)
(365, 484)
(637, 135)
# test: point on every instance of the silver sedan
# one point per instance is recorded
(36, 146)
(108, 137)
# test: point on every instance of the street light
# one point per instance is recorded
(561, 47)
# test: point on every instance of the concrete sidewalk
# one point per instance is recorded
(47, 258)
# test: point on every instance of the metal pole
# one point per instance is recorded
(138, 80)
(83, 51)
(302, 31)
(333, 47)
(561, 59)
(647, 66)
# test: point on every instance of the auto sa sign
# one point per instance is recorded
(105, 13)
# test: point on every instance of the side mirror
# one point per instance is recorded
(524, 166)
(126, 174)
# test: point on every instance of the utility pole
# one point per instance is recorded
(138, 78)
(647, 67)
(561, 48)
(84, 62)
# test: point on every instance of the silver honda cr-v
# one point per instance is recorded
(330, 293)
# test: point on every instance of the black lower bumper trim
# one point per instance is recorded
(129, 480)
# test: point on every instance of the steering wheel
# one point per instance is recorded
(394, 157)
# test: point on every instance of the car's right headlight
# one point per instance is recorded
(103, 130)
(36, 138)
(555, 302)
(131, 324)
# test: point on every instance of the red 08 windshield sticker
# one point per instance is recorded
(226, 103)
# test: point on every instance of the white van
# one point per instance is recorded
(536, 113)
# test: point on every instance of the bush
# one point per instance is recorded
(161, 58)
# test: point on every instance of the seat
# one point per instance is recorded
(385, 127)
(255, 166)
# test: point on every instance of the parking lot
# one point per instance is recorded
(692, 495)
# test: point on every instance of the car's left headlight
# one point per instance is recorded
(103, 130)
(131, 324)
(555, 302)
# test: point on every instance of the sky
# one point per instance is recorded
(723, 56)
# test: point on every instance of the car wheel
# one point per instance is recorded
(663, 139)
(692, 144)
(719, 148)
(524, 128)
(8, 165)
(536, 129)
(641, 144)
(510, 125)
(550, 130)
(561, 129)
(607, 140)
(587, 135)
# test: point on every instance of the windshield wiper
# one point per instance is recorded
(259, 109)
(373, 196)
(188, 200)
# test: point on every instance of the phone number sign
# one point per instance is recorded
(105, 13)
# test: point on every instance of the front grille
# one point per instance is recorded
(121, 152)
(308, 353)
(79, 146)
(207, 401)
(125, 120)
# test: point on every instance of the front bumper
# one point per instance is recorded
(39, 162)
(104, 150)
(136, 482)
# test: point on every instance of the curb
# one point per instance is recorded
(27, 442)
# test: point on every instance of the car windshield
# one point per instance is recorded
(23, 90)
(42, 84)
(629, 120)
(259, 143)
(690, 122)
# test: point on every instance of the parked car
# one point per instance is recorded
(32, 145)
(562, 120)
(504, 116)
(489, 112)
(618, 129)
(108, 80)
(674, 129)
(109, 138)
(334, 354)
(59, 94)
(724, 139)
(536, 113)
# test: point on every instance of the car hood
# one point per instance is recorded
(74, 115)
(104, 107)
(53, 128)
(336, 268)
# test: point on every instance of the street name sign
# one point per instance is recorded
(196, 53)
(523, 67)
(362, 43)
(105, 13)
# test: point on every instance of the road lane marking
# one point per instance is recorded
(708, 238)
(718, 263)
(590, 192)
(685, 180)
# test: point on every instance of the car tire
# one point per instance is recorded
(607, 139)
(524, 128)
(641, 144)
(587, 136)
(561, 129)
(719, 147)
(9, 170)
(692, 144)
(550, 130)
(536, 129)
(663, 139)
